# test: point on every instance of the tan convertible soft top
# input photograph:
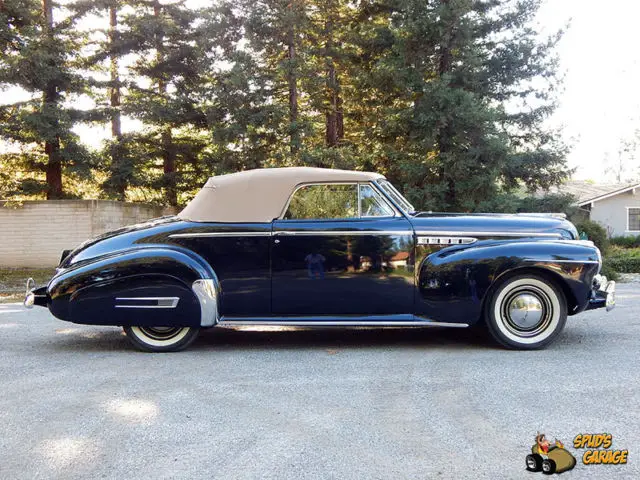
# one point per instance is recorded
(259, 195)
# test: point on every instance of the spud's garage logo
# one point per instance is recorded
(549, 458)
(598, 452)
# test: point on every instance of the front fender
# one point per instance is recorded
(452, 283)
(152, 286)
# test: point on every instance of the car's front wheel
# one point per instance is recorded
(161, 339)
(526, 312)
(548, 466)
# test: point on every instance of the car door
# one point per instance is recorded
(341, 249)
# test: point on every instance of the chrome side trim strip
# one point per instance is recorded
(487, 234)
(161, 302)
(420, 233)
(220, 234)
(300, 322)
(446, 240)
(355, 233)
(561, 261)
(207, 292)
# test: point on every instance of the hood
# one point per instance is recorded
(494, 225)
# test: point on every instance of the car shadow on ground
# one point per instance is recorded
(352, 338)
(288, 338)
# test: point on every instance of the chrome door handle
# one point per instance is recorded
(276, 241)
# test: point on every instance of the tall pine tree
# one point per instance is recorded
(460, 115)
(39, 60)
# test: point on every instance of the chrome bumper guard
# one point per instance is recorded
(35, 296)
(603, 293)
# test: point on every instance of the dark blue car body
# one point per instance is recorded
(409, 269)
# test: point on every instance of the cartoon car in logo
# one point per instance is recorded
(549, 458)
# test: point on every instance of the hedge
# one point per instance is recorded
(624, 260)
(626, 242)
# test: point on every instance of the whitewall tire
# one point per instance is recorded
(526, 312)
(161, 339)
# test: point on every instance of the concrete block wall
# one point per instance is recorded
(34, 233)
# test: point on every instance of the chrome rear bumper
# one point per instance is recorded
(35, 296)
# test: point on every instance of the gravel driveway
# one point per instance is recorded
(78, 402)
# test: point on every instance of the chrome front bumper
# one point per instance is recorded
(603, 293)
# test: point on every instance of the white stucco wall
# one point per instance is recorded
(611, 212)
(34, 233)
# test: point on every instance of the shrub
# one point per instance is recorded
(608, 271)
(624, 260)
(624, 265)
(632, 241)
(596, 233)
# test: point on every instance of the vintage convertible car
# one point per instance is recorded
(321, 247)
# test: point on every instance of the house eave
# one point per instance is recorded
(591, 201)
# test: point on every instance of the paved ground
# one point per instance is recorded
(78, 402)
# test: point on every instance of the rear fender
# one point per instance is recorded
(139, 287)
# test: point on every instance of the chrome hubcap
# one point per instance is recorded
(527, 311)
(161, 333)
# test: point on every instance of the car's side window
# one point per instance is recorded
(372, 203)
(324, 201)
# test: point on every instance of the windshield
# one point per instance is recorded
(396, 196)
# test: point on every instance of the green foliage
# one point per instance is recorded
(609, 270)
(513, 203)
(596, 233)
(625, 260)
(627, 241)
(324, 201)
(448, 98)
(452, 103)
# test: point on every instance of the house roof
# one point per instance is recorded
(587, 192)
(400, 256)
(259, 195)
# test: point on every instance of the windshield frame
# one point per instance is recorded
(395, 196)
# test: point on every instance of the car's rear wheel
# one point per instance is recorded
(526, 312)
(161, 339)
(534, 462)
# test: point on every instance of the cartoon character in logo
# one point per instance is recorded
(549, 458)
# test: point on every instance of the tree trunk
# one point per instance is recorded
(166, 135)
(445, 134)
(50, 99)
(293, 92)
(334, 119)
(119, 183)
(332, 113)
(169, 167)
(335, 122)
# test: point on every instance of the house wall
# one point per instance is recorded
(611, 212)
(34, 233)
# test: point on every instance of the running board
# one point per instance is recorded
(333, 321)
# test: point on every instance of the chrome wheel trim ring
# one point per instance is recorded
(531, 463)
(549, 299)
(160, 336)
